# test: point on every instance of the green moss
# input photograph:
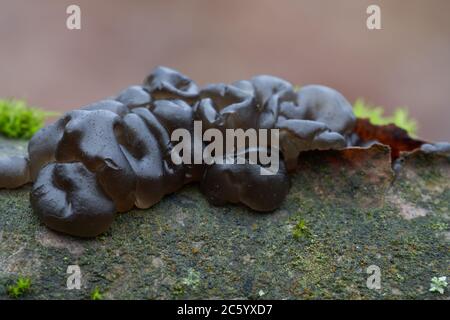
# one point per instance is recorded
(17, 120)
(376, 116)
(438, 284)
(314, 266)
(301, 230)
(439, 226)
(20, 288)
(192, 279)
(242, 252)
(96, 294)
(179, 290)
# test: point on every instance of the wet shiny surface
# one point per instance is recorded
(115, 154)
(306, 41)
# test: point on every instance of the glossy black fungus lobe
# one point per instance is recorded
(114, 154)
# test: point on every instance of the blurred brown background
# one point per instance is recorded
(407, 63)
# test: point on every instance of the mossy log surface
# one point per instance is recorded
(346, 210)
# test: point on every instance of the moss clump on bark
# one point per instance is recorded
(357, 212)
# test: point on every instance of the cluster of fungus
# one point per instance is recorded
(114, 154)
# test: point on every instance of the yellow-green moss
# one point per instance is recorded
(376, 116)
(17, 120)
(20, 288)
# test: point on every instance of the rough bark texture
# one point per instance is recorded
(346, 210)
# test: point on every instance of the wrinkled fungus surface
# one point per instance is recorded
(114, 154)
